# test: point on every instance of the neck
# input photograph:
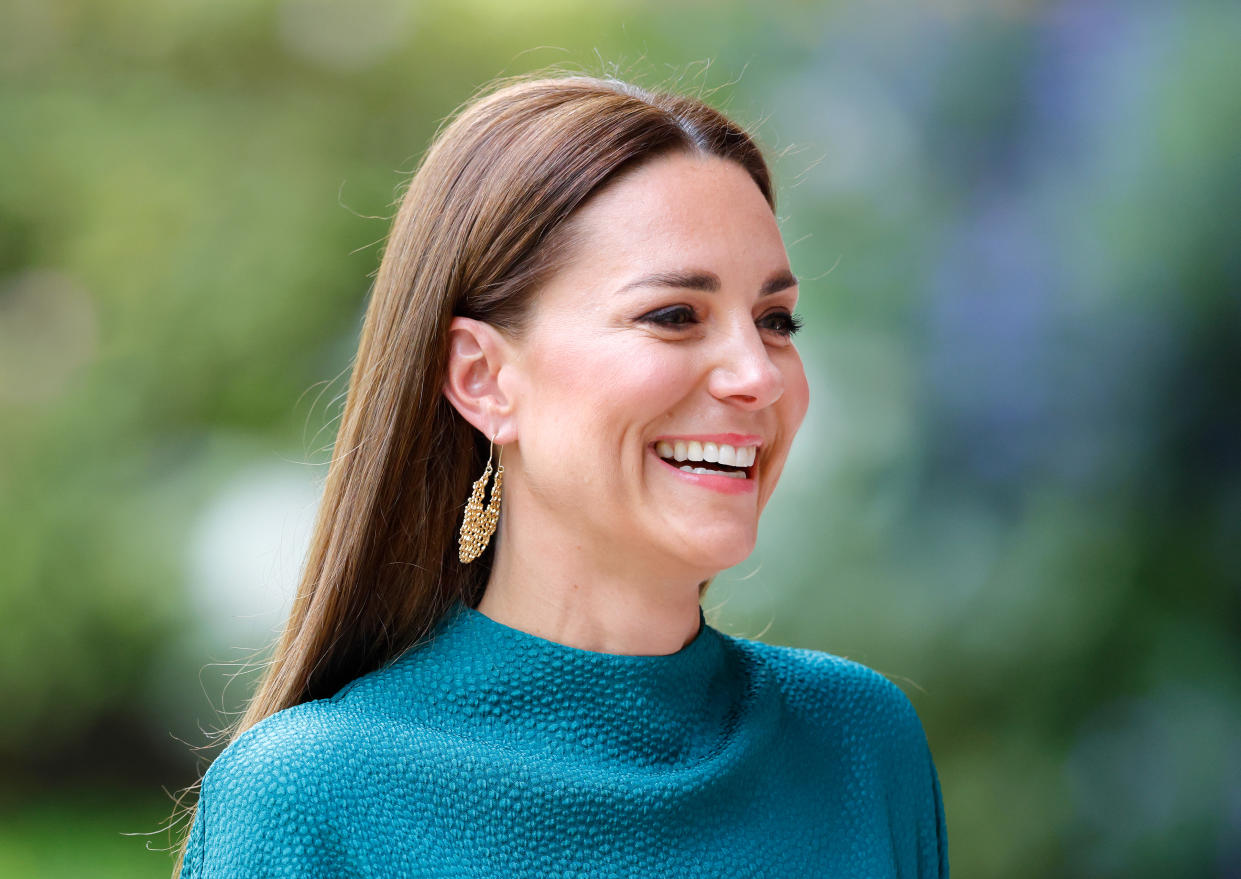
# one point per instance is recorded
(543, 583)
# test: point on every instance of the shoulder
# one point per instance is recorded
(304, 735)
(259, 797)
(283, 758)
(831, 689)
(865, 727)
(309, 741)
(279, 795)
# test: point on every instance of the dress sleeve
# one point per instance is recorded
(913, 781)
(267, 809)
(191, 863)
(939, 866)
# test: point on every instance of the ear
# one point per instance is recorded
(477, 353)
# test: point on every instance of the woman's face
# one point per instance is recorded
(667, 337)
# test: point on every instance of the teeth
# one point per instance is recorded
(716, 453)
(735, 474)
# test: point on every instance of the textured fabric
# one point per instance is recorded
(489, 751)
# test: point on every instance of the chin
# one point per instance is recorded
(723, 550)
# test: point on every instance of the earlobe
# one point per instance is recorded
(476, 356)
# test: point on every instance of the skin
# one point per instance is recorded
(601, 545)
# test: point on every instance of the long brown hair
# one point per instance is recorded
(482, 224)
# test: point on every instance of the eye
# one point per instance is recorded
(672, 316)
(782, 322)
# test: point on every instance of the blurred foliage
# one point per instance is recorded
(1018, 491)
(82, 832)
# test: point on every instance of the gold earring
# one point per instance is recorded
(479, 524)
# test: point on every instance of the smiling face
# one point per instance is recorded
(669, 332)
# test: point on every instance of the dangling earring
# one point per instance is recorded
(479, 524)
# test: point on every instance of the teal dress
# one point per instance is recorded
(488, 751)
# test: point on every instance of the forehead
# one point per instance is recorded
(679, 211)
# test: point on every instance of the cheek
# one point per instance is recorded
(792, 408)
(802, 394)
(560, 377)
(616, 374)
(796, 395)
(592, 397)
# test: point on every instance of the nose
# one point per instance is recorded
(744, 373)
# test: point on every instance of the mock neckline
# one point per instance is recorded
(566, 652)
(484, 679)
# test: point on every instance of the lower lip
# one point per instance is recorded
(715, 482)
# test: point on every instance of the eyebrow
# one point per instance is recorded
(708, 281)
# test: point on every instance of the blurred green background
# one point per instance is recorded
(1017, 492)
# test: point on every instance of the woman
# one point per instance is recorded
(585, 297)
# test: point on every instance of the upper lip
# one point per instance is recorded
(732, 439)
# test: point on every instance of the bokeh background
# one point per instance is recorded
(1017, 493)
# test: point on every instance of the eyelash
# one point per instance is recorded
(792, 323)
